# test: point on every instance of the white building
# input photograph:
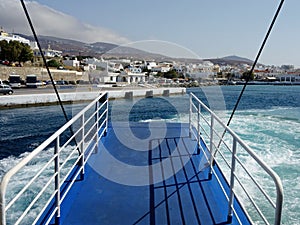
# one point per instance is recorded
(113, 72)
(33, 45)
(103, 71)
(103, 76)
(289, 78)
(132, 75)
(160, 68)
(109, 66)
(97, 63)
(89, 67)
(13, 37)
(201, 71)
(71, 62)
(179, 68)
(151, 65)
(50, 53)
(47, 53)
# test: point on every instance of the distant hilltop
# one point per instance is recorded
(232, 60)
(98, 49)
(72, 47)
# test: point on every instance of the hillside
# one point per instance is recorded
(231, 60)
(100, 49)
(71, 47)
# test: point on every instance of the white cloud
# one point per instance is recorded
(48, 21)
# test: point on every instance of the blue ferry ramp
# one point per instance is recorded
(159, 184)
(96, 171)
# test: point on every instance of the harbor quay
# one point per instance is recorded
(40, 97)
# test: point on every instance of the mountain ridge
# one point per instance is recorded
(232, 60)
(99, 49)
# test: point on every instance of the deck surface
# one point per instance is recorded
(153, 179)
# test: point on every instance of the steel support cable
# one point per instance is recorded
(253, 66)
(47, 68)
(256, 60)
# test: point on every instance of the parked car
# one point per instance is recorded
(5, 62)
(72, 82)
(82, 82)
(49, 82)
(60, 82)
(40, 83)
(6, 89)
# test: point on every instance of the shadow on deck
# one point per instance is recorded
(153, 179)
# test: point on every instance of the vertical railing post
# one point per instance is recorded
(211, 146)
(82, 147)
(232, 179)
(106, 118)
(97, 126)
(198, 128)
(279, 199)
(57, 180)
(190, 115)
(2, 208)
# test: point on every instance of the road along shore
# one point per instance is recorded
(40, 99)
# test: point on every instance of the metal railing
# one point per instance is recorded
(259, 192)
(42, 179)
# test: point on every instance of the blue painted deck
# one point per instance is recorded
(187, 197)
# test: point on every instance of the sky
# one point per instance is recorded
(201, 28)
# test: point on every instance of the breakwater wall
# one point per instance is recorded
(42, 73)
(28, 100)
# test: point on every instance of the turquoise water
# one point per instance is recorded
(268, 120)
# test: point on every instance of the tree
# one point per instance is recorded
(146, 70)
(159, 74)
(26, 54)
(247, 76)
(79, 57)
(15, 51)
(229, 76)
(53, 63)
(171, 74)
(4, 49)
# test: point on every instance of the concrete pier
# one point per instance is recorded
(166, 93)
(30, 99)
(128, 95)
(149, 94)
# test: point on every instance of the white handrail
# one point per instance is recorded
(103, 118)
(194, 104)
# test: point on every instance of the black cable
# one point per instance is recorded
(44, 59)
(256, 60)
(252, 69)
(47, 68)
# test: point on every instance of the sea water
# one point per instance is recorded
(267, 119)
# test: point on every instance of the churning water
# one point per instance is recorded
(267, 119)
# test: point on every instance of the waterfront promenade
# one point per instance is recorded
(26, 97)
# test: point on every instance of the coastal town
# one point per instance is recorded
(126, 112)
(108, 71)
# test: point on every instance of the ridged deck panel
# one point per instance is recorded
(188, 197)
